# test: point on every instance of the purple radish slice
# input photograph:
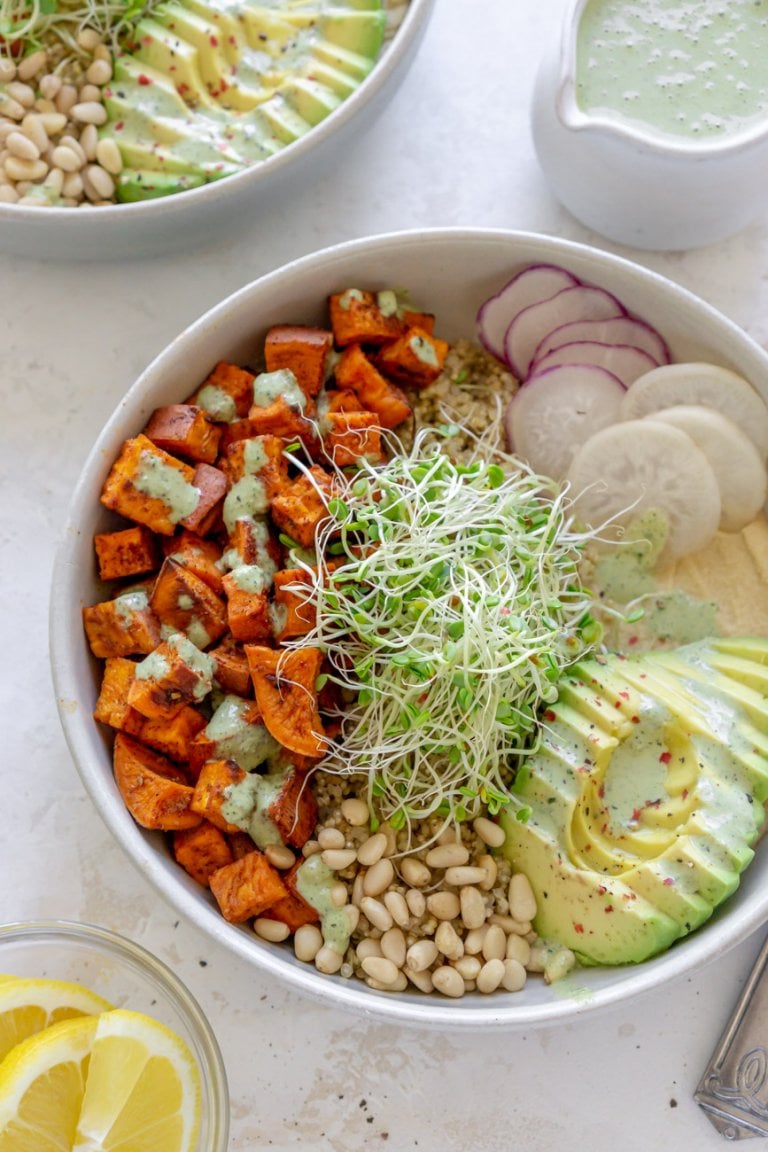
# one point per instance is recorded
(534, 284)
(624, 361)
(555, 412)
(616, 330)
(534, 324)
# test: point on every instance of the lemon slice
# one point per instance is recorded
(29, 1005)
(117, 1082)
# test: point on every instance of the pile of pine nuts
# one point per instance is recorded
(50, 151)
(450, 918)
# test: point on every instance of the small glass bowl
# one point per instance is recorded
(127, 976)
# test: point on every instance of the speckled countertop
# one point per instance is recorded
(452, 148)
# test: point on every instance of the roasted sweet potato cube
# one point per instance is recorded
(149, 486)
(125, 626)
(342, 399)
(112, 707)
(201, 851)
(184, 602)
(284, 684)
(303, 505)
(173, 737)
(424, 320)
(211, 485)
(154, 790)
(231, 673)
(246, 887)
(129, 552)
(357, 371)
(303, 350)
(357, 318)
(216, 776)
(199, 555)
(352, 436)
(415, 358)
(240, 844)
(294, 809)
(184, 430)
(260, 456)
(292, 910)
(248, 613)
(292, 613)
(226, 394)
(251, 542)
(175, 674)
(282, 419)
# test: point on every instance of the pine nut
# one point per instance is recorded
(307, 942)
(447, 856)
(331, 838)
(310, 848)
(352, 915)
(468, 967)
(368, 947)
(7, 70)
(32, 126)
(29, 67)
(464, 874)
(510, 925)
(89, 112)
(378, 878)
(101, 52)
(54, 182)
(99, 72)
(473, 941)
(279, 855)
(515, 976)
(539, 957)
(53, 122)
(6, 127)
(50, 86)
(20, 145)
(73, 186)
(421, 979)
(273, 930)
(381, 969)
(66, 98)
(89, 141)
(328, 961)
(522, 902)
(101, 181)
(73, 143)
(416, 874)
(491, 870)
(339, 895)
(35, 199)
(372, 850)
(8, 194)
(11, 108)
(65, 158)
(354, 810)
(443, 905)
(421, 955)
(495, 943)
(518, 949)
(416, 901)
(491, 975)
(399, 985)
(393, 946)
(559, 966)
(448, 941)
(397, 907)
(448, 981)
(23, 94)
(357, 890)
(376, 913)
(472, 905)
(19, 169)
(88, 39)
(338, 858)
(89, 93)
(490, 833)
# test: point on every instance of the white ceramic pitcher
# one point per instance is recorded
(643, 187)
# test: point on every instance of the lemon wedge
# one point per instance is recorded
(116, 1082)
(27, 1005)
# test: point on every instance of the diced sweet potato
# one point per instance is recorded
(173, 737)
(356, 318)
(201, 851)
(185, 603)
(240, 844)
(211, 485)
(175, 674)
(352, 436)
(292, 910)
(151, 487)
(424, 320)
(112, 707)
(231, 673)
(282, 419)
(153, 790)
(294, 810)
(284, 683)
(260, 456)
(216, 776)
(303, 505)
(246, 887)
(129, 552)
(303, 350)
(292, 615)
(250, 542)
(125, 626)
(199, 555)
(415, 358)
(248, 615)
(184, 430)
(342, 399)
(226, 393)
(357, 371)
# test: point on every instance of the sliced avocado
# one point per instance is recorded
(311, 100)
(361, 31)
(133, 185)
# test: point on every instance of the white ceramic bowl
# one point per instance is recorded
(171, 222)
(450, 272)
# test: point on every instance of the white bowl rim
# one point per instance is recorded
(426, 1012)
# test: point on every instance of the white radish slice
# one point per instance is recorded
(533, 324)
(733, 457)
(630, 468)
(534, 284)
(696, 383)
(556, 411)
(622, 360)
(615, 330)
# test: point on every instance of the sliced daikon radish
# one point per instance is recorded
(531, 286)
(623, 360)
(695, 383)
(556, 411)
(615, 330)
(533, 324)
(632, 467)
(733, 457)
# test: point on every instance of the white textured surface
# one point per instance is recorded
(452, 148)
